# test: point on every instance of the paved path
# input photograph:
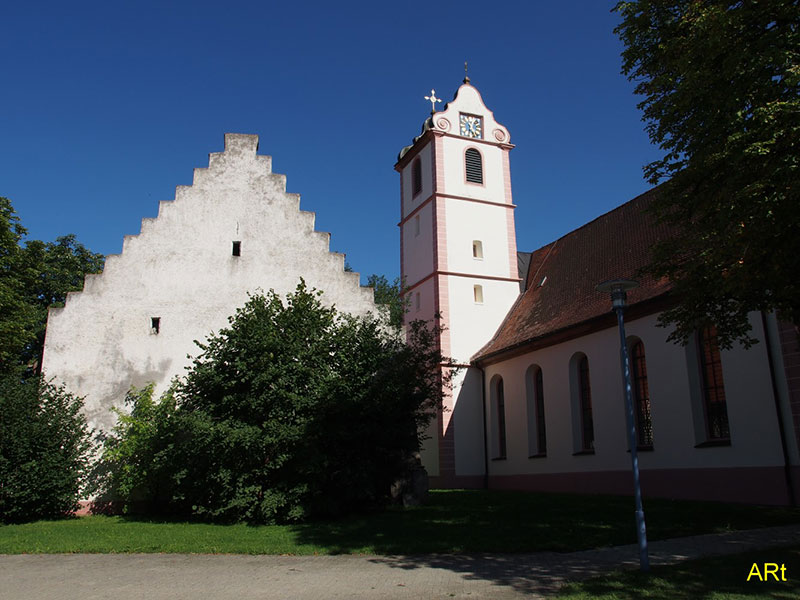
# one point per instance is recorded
(223, 577)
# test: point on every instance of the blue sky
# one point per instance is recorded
(106, 106)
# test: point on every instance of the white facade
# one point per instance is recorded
(181, 269)
(681, 463)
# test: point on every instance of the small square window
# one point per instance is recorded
(155, 325)
(237, 249)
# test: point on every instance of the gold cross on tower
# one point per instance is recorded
(433, 100)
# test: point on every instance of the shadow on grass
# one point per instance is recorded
(720, 577)
(492, 536)
(513, 522)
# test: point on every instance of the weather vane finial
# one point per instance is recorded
(466, 77)
(433, 100)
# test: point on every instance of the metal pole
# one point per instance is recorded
(644, 559)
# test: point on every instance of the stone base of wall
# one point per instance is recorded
(749, 485)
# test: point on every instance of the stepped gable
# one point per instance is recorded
(560, 290)
(182, 269)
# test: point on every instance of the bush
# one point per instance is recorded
(291, 412)
(45, 447)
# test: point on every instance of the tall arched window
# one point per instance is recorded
(715, 406)
(474, 165)
(537, 436)
(416, 177)
(498, 417)
(585, 398)
(641, 396)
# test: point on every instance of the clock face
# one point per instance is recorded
(471, 126)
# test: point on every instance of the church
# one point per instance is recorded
(537, 400)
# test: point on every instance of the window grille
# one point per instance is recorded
(585, 390)
(716, 411)
(474, 165)
(416, 177)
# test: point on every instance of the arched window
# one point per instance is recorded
(498, 416)
(585, 404)
(641, 396)
(715, 407)
(474, 165)
(416, 177)
(534, 388)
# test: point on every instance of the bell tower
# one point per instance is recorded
(459, 260)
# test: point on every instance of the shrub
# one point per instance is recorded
(45, 447)
(293, 411)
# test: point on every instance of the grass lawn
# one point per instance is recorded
(453, 521)
(723, 578)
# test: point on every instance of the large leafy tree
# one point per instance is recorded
(33, 278)
(45, 449)
(293, 411)
(389, 295)
(721, 86)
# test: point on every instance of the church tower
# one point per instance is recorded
(459, 261)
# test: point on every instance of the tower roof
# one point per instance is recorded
(467, 99)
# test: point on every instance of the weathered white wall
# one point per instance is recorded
(180, 268)
(755, 439)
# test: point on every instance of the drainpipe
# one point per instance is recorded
(787, 469)
(485, 443)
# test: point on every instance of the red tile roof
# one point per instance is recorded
(562, 276)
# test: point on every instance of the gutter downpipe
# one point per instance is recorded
(485, 444)
(787, 469)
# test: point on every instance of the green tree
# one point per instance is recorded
(391, 296)
(34, 277)
(293, 411)
(721, 87)
(45, 447)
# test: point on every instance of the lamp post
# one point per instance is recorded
(619, 294)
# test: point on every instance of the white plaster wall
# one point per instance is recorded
(468, 422)
(418, 249)
(472, 325)
(180, 268)
(755, 439)
(468, 221)
(493, 186)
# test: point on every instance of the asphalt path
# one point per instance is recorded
(243, 577)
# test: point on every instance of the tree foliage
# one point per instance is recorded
(293, 411)
(721, 87)
(34, 277)
(391, 296)
(45, 447)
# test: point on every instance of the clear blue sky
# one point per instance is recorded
(106, 106)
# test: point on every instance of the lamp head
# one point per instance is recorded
(618, 288)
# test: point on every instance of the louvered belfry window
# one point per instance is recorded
(474, 165)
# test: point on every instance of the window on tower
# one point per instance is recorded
(477, 249)
(416, 177)
(473, 164)
(477, 293)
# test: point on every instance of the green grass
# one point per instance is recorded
(722, 578)
(453, 521)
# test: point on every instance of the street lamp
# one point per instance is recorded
(619, 294)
